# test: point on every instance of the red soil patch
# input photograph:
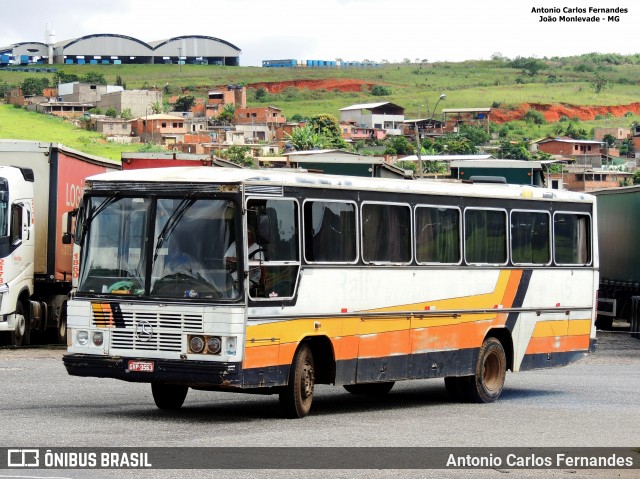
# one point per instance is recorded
(554, 112)
(342, 84)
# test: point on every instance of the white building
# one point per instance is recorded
(385, 116)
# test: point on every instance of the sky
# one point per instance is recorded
(352, 30)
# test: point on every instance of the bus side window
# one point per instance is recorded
(571, 238)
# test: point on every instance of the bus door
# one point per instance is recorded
(272, 271)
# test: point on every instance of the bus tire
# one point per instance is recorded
(370, 389)
(169, 396)
(21, 336)
(297, 396)
(487, 383)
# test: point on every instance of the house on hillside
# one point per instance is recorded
(139, 102)
(259, 124)
(584, 152)
(85, 92)
(159, 129)
(231, 95)
(456, 117)
(385, 116)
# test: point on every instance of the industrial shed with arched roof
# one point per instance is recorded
(113, 48)
(197, 48)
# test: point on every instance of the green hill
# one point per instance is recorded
(498, 83)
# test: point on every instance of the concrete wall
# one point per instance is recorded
(138, 101)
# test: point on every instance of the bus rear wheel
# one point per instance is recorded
(371, 389)
(491, 369)
(297, 396)
(169, 396)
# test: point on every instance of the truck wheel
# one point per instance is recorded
(491, 369)
(62, 325)
(169, 396)
(21, 336)
(371, 389)
(297, 396)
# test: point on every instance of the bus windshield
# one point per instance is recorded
(162, 248)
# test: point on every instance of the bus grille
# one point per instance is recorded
(159, 341)
(107, 318)
(146, 331)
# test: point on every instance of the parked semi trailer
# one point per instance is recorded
(618, 237)
(40, 183)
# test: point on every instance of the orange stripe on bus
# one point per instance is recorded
(512, 288)
(557, 344)
(385, 344)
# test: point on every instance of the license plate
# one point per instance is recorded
(141, 366)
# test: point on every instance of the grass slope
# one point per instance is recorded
(19, 124)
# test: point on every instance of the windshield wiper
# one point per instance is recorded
(171, 223)
(109, 200)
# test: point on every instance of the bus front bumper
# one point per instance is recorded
(191, 373)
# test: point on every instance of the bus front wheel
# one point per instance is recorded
(297, 396)
(169, 396)
(487, 383)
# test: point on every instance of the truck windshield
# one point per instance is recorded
(165, 248)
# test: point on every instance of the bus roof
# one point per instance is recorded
(291, 177)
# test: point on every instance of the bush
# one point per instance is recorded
(535, 117)
(380, 90)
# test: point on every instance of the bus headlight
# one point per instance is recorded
(214, 345)
(83, 338)
(196, 344)
(98, 338)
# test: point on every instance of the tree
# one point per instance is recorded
(515, 150)
(93, 77)
(34, 86)
(184, 103)
(120, 82)
(111, 112)
(157, 108)
(328, 127)
(306, 137)
(600, 83)
(261, 94)
(475, 134)
(609, 139)
(62, 77)
(399, 145)
(239, 155)
(126, 114)
(228, 113)
(529, 66)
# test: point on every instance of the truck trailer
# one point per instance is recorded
(618, 234)
(40, 183)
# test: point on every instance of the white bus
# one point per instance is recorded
(358, 282)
